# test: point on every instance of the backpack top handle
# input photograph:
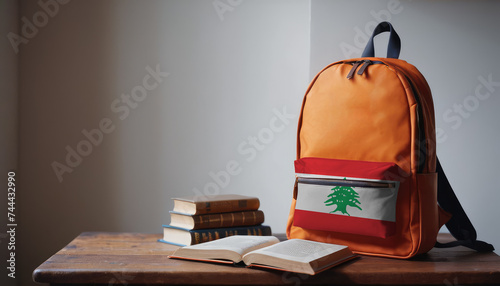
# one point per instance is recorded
(394, 47)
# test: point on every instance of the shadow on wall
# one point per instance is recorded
(71, 126)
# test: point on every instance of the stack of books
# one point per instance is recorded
(200, 219)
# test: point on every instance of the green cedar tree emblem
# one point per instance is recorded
(343, 196)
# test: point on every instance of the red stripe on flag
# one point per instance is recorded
(343, 223)
(348, 168)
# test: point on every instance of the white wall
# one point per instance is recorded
(228, 74)
(453, 44)
(8, 121)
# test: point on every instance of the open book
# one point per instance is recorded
(294, 255)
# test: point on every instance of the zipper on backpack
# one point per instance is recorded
(366, 63)
(325, 181)
(421, 131)
(422, 148)
(356, 64)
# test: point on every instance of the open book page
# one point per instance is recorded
(300, 250)
(229, 248)
(299, 255)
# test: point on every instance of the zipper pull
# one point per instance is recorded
(366, 63)
(355, 65)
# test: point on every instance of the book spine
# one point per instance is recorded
(227, 206)
(204, 235)
(231, 219)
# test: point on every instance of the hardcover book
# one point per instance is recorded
(294, 255)
(195, 205)
(219, 220)
(183, 237)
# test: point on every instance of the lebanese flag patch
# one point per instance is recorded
(346, 196)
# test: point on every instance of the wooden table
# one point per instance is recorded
(133, 258)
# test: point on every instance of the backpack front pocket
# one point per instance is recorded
(346, 196)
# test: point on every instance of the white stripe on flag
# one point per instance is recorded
(376, 203)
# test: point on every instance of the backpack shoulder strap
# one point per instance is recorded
(459, 225)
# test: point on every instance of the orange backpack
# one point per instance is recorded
(366, 160)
